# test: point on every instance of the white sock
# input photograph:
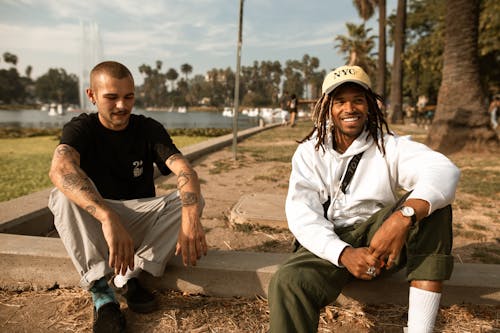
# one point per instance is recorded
(422, 310)
(121, 280)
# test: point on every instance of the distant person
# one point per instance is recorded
(421, 112)
(285, 101)
(104, 203)
(494, 111)
(345, 211)
(293, 109)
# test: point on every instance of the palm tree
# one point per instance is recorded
(172, 75)
(357, 46)
(461, 119)
(396, 109)
(308, 66)
(186, 69)
(10, 58)
(365, 10)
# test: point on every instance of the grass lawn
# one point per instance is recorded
(25, 162)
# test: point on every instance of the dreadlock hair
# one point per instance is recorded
(323, 124)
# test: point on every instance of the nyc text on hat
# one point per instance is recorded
(345, 74)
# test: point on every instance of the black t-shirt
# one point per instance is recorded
(120, 163)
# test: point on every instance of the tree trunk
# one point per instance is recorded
(353, 59)
(462, 118)
(396, 110)
(382, 62)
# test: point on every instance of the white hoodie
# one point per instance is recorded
(316, 176)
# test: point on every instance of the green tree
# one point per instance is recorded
(186, 69)
(199, 89)
(294, 80)
(259, 84)
(357, 47)
(425, 39)
(57, 86)
(217, 87)
(11, 88)
(10, 58)
(28, 71)
(153, 91)
(489, 45)
(366, 9)
(461, 118)
(423, 60)
(308, 67)
(172, 75)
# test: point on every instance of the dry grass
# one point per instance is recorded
(69, 310)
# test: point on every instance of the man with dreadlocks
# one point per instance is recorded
(344, 211)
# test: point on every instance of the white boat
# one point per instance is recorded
(253, 112)
(52, 109)
(60, 110)
(228, 112)
(182, 109)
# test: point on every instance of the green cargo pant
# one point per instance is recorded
(305, 283)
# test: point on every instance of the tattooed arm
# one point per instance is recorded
(70, 179)
(191, 242)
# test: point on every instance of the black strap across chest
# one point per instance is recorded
(351, 169)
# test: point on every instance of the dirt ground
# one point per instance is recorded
(263, 167)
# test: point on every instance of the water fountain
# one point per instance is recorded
(91, 54)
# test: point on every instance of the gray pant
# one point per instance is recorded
(153, 224)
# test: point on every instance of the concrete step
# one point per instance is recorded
(39, 262)
(260, 208)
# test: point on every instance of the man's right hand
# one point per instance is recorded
(358, 260)
(120, 244)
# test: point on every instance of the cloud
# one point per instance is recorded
(63, 38)
(200, 32)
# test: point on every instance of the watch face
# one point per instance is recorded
(407, 211)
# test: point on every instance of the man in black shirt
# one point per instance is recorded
(104, 203)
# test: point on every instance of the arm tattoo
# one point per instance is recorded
(183, 179)
(174, 158)
(73, 181)
(90, 209)
(63, 150)
(189, 198)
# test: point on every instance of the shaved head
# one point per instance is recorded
(111, 68)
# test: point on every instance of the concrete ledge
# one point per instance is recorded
(40, 262)
(27, 215)
(260, 208)
(195, 151)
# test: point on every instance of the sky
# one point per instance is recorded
(203, 33)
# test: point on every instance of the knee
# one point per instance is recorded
(289, 280)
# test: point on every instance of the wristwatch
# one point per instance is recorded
(408, 211)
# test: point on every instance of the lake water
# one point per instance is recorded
(190, 119)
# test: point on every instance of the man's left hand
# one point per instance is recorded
(191, 242)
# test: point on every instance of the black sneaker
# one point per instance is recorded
(139, 299)
(109, 319)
